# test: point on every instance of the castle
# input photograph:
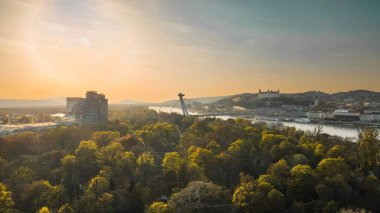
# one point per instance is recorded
(269, 94)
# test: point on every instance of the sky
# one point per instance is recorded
(151, 50)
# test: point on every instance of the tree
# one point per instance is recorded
(332, 166)
(66, 209)
(204, 159)
(301, 183)
(200, 196)
(70, 176)
(298, 159)
(276, 200)
(243, 153)
(256, 196)
(86, 157)
(320, 150)
(6, 201)
(279, 172)
(44, 209)
(368, 148)
(13, 146)
(336, 151)
(98, 185)
(331, 207)
(370, 188)
(41, 193)
(159, 207)
(162, 137)
(146, 166)
(103, 138)
(104, 203)
(172, 162)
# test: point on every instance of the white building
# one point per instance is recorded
(315, 115)
(370, 118)
(269, 94)
(319, 115)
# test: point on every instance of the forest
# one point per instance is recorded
(144, 161)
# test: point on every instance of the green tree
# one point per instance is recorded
(257, 195)
(98, 185)
(41, 193)
(200, 196)
(104, 138)
(66, 209)
(336, 151)
(104, 203)
(301, 183)
(70, 176)
(279, 172)
(146, 167)
(332, 166)
(44, 209)
(331, 207)
(276, 200)
(6, 201)
(243, 153)
(159, 207)
(86, 157)
(172, 162)
(370, 188)
(162, 137)
(369, 148)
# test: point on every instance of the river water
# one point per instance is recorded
(341, 131)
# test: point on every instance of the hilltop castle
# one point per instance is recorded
(269, 94)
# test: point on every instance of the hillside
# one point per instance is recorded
(48, 102)
(250, 100)
(201, 100)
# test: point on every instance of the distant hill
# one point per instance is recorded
(250, 100)
(202, 100)
(130, 102)
(246, 100)
(48, 102)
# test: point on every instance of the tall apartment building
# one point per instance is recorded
(92, 109)
(95, 107)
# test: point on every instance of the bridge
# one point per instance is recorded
(185, 112)
(223, 114)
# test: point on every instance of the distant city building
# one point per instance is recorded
(346, 115)
(315, 115)
(93, 108)
(74, 107)
(370, 116)
(269, 94)
(319, 115)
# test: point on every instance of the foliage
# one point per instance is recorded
(199, 196)
(159, 207)
(157, 162)
(6, 202)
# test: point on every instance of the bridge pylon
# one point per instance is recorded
(183, 105)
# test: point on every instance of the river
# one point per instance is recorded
(341, 131)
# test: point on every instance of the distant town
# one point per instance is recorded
(349, 108)
(353, 108)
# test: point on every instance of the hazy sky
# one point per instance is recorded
(151, 50)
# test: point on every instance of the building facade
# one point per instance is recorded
(74, 107)
(95, 107)
(92, 109)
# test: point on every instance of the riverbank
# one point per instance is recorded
(329, 128)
